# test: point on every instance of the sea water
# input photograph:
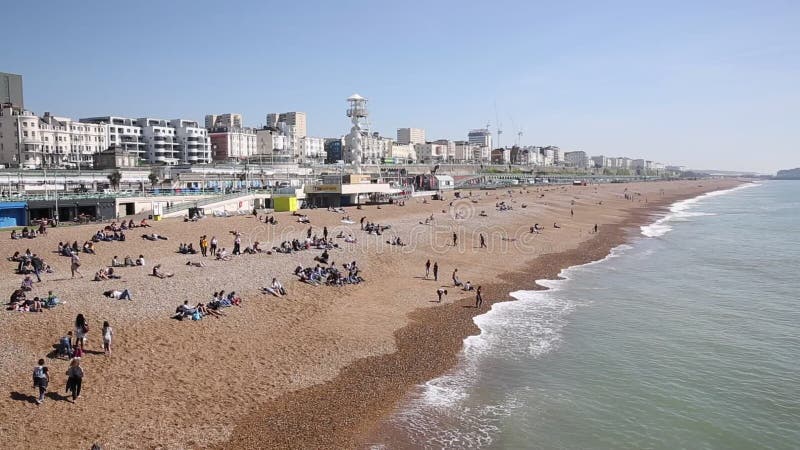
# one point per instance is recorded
(688, 337)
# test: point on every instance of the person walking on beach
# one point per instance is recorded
(108, 333)
(427, 269)
(75, 263)
(325, 233)
(40, 380)
(595, 228)
(571, 213)
(213, 245)
(75, 378)
(436, 271)
(478, 298)
(440, 292)
(455, 239)
(483, 241)
(237, 245)
(81, 329)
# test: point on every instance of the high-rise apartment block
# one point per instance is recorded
(296, 121)
(11, 90)
(410, 136)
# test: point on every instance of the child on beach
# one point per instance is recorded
(40, 380)
(108, 333)
(440, 292)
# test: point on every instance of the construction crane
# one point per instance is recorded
(499, 126)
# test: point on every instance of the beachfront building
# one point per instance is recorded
(411, 136)
(121, 133)
(601, 161)
(334, 150)
(577, 159)
(481, 137)
(295, 120)
(229, 140)
(271, 143)
(232, 143)
(228, 120)
(311, 149)
(11, 90)
(402, 152)
(32, 142)
(158, 141)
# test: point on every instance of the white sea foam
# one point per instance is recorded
(679, 211)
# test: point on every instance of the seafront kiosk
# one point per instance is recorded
(346, 190)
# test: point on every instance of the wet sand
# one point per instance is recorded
(317, 368)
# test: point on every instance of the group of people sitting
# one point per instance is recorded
(218, 301)
(67, 249)
(109, 235)
(186, 249)
(20, 302)
(375, 228)
(26, 233)
(503, 206)
(296, 245)
(396, 241)
(106, 274)
(28, 263)
(128, 261)
(268, 219)
(330, 275)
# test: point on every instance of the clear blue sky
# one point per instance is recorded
(708, 84)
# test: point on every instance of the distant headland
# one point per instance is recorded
(788, 174)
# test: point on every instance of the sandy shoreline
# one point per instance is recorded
(316, 369)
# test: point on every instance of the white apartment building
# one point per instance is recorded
(435, 151)
(311, 148)
(157, 140)
(375, 147)
(194, 143)
(29, 141)
(411, 136)
(404, 152)
(577, 159)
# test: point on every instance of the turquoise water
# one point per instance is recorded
(686, 338)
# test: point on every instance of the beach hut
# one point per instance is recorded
(288, 203)
(12, 214)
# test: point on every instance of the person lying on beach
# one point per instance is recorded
(154, 237)
(195, 263)
(158, 273)
(555, 225)
(222, 255)
(119, 295)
